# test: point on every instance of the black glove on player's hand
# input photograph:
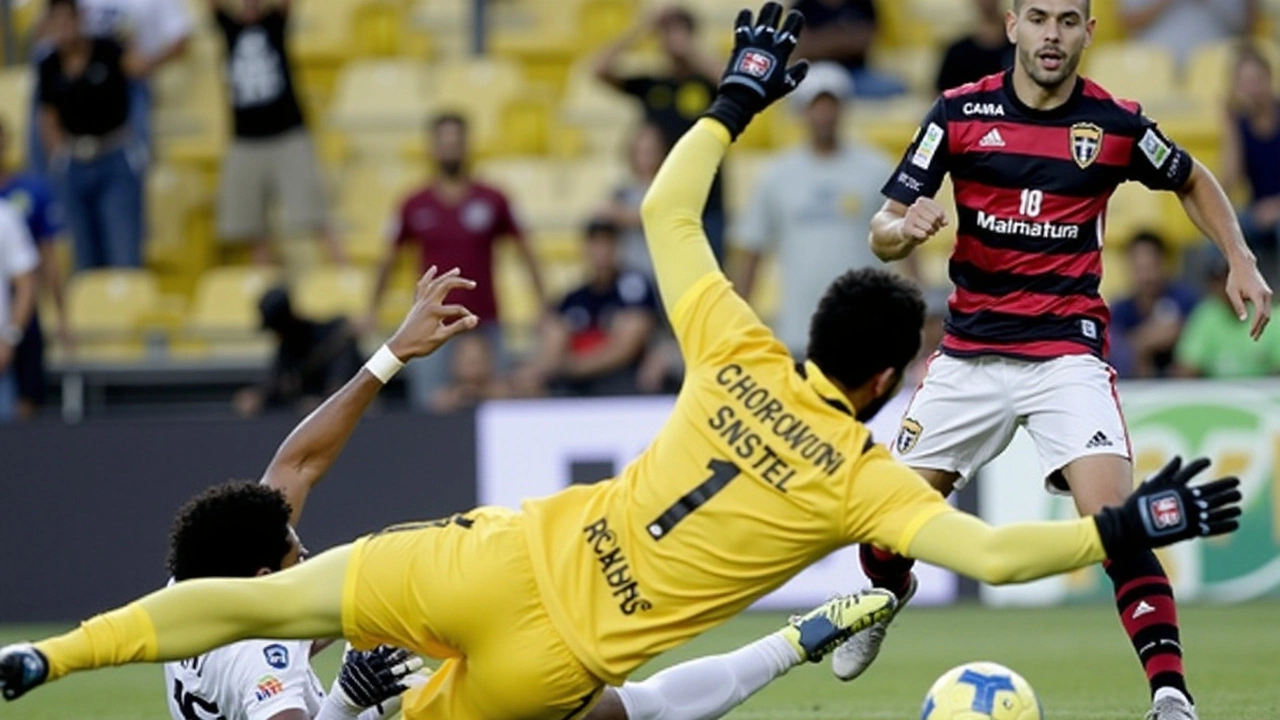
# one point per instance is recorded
(1165, 510)
(758, 74)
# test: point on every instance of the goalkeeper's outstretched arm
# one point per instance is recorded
(672, 211)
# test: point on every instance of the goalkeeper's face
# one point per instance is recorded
(1051, 36)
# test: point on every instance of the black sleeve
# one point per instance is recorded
(1157, 161)
(925, 162)
(948, 69)
(637, 86)
(226, 23)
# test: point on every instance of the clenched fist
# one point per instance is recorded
(923, 220)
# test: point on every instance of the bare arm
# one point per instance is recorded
(293, 714)
(533, 267)
(24, 299)
(553, 345)
(309, 451)
(627, 337)
(1208, 207)
(51, 277)
(897, 229)
(605, 66)
(51, 133)
(1142, 18)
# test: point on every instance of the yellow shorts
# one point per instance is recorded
(463, 590)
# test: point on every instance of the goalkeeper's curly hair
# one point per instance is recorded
(868, 320)
(230, 530)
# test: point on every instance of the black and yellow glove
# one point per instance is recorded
(758, 73)
(1166, 509)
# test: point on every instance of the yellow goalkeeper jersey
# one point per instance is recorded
(761, 470)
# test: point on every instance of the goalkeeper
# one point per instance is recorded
(763, 468)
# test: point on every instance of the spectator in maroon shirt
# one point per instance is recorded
(454, 222)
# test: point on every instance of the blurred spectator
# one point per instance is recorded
(813, 207)
(644, 156)
(594, 343)
(673, 101)
(1215, 344)
(272, 154)
(841, 31)
(455, 222)
(96, 160)
(983, 52)
(473, 376)
(1251, 153)
(1145, 326)
(158, 29)
(18, 262)
(32, 197)
(313, 359)
(1181, 26)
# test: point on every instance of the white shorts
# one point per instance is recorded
(966, 411)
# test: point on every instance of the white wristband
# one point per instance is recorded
(384, 364)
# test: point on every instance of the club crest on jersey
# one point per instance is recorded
(1086, 143)
(755, 63)
(908, 436)
(277, 656)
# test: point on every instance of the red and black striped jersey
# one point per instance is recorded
(1031, 190)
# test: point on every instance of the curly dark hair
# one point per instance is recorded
(868, 320)
(230, 530)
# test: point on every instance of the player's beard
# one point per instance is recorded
(451, 169)
(1049, 79)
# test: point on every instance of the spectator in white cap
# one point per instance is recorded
(813, 206)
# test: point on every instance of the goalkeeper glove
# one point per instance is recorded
(370, 678)
(1165, 510)
(758, 74)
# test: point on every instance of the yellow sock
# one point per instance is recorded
(114, 638)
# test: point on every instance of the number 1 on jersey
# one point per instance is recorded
(1030, 204)
(722, 472)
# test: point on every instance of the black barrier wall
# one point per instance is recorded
(85, 511)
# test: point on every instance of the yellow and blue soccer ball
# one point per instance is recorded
(981, 691)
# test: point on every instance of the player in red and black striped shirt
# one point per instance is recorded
(1034, 155)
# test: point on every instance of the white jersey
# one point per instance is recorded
(248, 680)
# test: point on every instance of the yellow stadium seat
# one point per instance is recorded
(589, 185)
(1210, 70)
(535, 187)
(327, 292)
(447, 22)
(1137, 71)
(380, 29)
(190, 115)
(224, 318)
(1109, 28)
(371, 194)
(381, 104)
(180, 232)
(917, 66)
(1132, 209)
(887, 124)
(16, 91)
(108, 310)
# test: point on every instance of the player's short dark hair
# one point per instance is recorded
(868, 320)
(1152, 240)
(681, 17)
(439, 120)
(1088, 7)
(230, 530)
(601, 227)
(74, 5)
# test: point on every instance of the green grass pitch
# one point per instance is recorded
(1076, 657)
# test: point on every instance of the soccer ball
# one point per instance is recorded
(981, 691)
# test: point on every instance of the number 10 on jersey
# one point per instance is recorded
(1030, 203)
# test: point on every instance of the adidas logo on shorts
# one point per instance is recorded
(1098, 440)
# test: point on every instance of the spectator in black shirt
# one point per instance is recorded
(841, 31)
(596, 340)
(96, 161)
(985, 51)
(313, 359)
(674, 100)
(272, 155)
